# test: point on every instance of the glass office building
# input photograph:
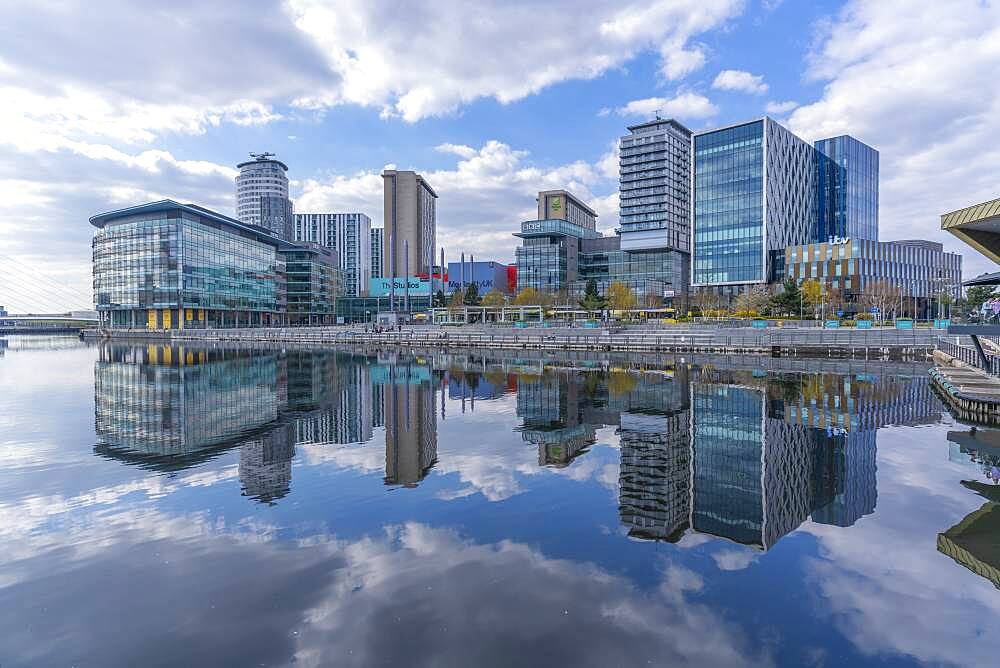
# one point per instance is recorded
(655, 203)
(548, 260)
(559, 256)
(654, 273)
(166, 265)
(754, 194)
(313, 283)
(847, 189)
(920, 271)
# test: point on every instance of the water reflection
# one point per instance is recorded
(538, 511)
(975, 541)
(736, 454)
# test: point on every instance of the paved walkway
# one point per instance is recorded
(970, 383)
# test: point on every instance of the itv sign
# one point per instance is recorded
(382, 287)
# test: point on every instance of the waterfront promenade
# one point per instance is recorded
(881, 343)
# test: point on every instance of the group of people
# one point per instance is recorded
(382, 329)
(990, 310)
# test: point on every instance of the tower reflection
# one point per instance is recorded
(737, 454)
(410, 423)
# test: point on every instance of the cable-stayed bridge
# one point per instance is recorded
(25, 290)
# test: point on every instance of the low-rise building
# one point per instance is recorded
(313, 284)
(166, 265)
(487, 276)
(560, 256)
(921, 271)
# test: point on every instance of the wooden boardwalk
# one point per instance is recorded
(972, 393)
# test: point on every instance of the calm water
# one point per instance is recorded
(205, 506)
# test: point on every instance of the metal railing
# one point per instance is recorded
(968, 354)
(674, 340)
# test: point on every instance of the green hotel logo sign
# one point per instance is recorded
(556, 203)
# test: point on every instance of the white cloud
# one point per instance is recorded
(467, 51)
(739, 80)
(47, 196)
(921, 88)
(735, 560)
(921, 605)
(482, 200)
(682, 106)
(780, 107)
(84, 122)
(458, 149)
(679, 62)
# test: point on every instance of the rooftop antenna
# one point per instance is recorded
(657, 112)
(261, 156)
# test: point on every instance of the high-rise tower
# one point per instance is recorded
(410, 224)
(262, 195)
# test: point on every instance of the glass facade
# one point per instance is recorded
(171, 266)
(276, 216)
(366, 309)
(547, 263)
(729, 205)
(847, 189)
(920, 269)
(313, 285)
(655, 273)
(558, 256)
(754, 195)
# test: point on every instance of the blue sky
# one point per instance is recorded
(122, 102)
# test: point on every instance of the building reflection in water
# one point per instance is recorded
(410, 422)
(737, 455)
(169, 408)
(975, 541)
(741, 455)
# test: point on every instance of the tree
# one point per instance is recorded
(472, 295)
(457, 300)
(944, 299)
(704, 301)
(835, 302)
(494, 298)
(528, 297)
(439, 299)
(651, 300)
(592, 299)
(621, 383)
(621, 297)
(562, 298)
(752, 301)
(789, 300)
(977, 294)
(812, 292)
(881, 295)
